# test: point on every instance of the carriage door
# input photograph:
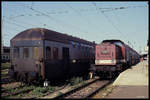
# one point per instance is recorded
(65, 59)
(65, 54)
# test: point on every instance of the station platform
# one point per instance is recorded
(132, 83)
(136, 75)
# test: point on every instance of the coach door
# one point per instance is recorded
(65, 54)
(65, 59)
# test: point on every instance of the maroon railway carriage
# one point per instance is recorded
(40, 52)
(113, 56)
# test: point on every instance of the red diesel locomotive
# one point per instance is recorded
(113, 56)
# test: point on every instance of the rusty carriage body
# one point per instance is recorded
(48, 54)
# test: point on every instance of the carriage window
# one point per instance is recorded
(48, 53)
(6, 57)
(55, 53)
(35, 53)
(25, 52)
(16, 52)
(3, 57)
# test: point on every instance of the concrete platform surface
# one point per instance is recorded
(137, 75)
(130, 92)
(132, 83)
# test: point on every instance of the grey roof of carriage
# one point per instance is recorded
(46, 34)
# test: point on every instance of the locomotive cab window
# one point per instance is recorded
(48, 53)
(25, 52)
(16, 52)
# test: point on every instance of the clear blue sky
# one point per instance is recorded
(93, 21)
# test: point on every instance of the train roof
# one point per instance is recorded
(115, 42)
(112, 41)
(46, 34)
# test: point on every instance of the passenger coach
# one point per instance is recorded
(44, 53)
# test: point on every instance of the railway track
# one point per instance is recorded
(87, 90)
(83, 91)
(17, 87)
(22, 90)
(16, 93)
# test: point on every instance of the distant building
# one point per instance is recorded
(5, 54)
(146, 49)
(145, 53)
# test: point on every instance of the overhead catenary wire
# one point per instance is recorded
(109, 21)
(106, 9)
(15, 24)
(56, 20)
(16, 21)
(78, 13)
(14, 18)
(19, 21)
(37, 14)
(113, 11)
(120, 8)
(10, 27)
(84, 18)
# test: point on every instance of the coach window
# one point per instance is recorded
(6, 57)
(35, 53)
(16, 52)
(3, 57)
(55, 53)
(25, 52)
(48, 53)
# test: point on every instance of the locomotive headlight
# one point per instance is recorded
(74, 61)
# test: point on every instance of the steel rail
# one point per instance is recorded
(76, 89)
